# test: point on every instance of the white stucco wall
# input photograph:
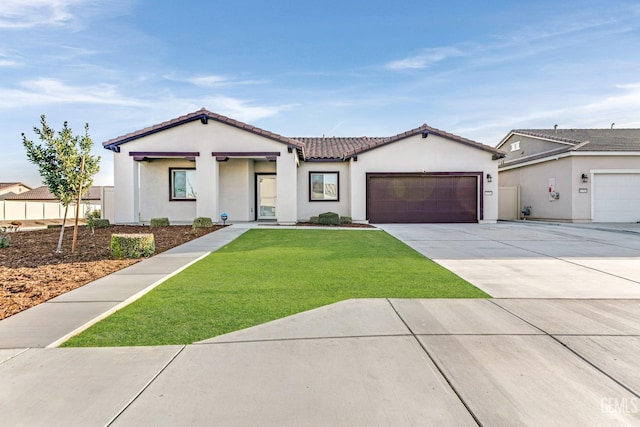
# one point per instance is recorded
(574, 206)
(307, 208)
(417, 154)
(132, 204)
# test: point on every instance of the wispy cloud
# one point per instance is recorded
(212, 80)
(46, 91)
(425, 58)
(33, 13)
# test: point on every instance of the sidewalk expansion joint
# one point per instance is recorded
(302, 339)
(438, 367)
(574, 352)
(133, 399)
(14, 356)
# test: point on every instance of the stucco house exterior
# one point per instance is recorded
(8, 189)
(577, 175)
(204, 164)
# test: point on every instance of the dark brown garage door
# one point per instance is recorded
(422, 198)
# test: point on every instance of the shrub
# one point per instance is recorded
(54, 225)
(345, 220)
(132, 245)
(159, 222)
(329, 218)
(101, 223)
(95, 214)
(314, 220)
(202, 222)
(4, 237)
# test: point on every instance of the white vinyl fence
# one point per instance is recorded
(18, 210)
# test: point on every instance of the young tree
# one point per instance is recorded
(58, 158)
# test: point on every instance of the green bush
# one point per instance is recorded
(329, 218)
(345, 220)
(4, 237)
(159, 222)
(314, 220)
(132, 245)
(54, 225)
(95, 214)
(202, 222)
(101, 223)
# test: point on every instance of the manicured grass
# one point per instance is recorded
(269, 274)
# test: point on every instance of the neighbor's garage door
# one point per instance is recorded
(616, 197)
(422, 198)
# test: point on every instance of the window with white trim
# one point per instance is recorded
(183, 184)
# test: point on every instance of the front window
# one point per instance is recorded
(323, 186)
(183, 184)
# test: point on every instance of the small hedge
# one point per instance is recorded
(345, 220)
(101, 223)
(202, 222)
(54, 225)
(159, 222)
(329, 218)
(132, 245)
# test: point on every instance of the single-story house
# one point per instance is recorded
(204, 164)
(12, 188)
(40, 204)
(577, 175)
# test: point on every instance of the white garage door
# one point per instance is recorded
(616, 197)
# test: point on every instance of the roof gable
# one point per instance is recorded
(309, 148)
(203, 115)
(343, 148)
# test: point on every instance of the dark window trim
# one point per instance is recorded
(337, 173)
(171, 198)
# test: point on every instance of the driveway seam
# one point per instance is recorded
(302, 339)
(14, 356)
(440, 370)
(564, 260)
(578, 355)
(133, 399)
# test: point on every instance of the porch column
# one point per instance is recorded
(207, 173)
(126, 189)
(286, 188)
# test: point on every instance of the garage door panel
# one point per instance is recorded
(422, 198)
(616, 197)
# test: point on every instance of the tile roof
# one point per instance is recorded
(203, 115)
(309, 148)
(343, 147)
(4, 185)
(43, 193)
(582, 140)
(590, 139)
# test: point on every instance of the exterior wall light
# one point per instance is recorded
(425, 133)
(585, 177)
(489, 177)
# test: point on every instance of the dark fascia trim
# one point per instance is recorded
(323, 160)
(115, 147)
(245, 153)
(140, 156)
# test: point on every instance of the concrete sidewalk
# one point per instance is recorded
(355, 363)
(54, 321)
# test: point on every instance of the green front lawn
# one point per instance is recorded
(269, 274)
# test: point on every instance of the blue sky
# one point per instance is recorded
(338, 68)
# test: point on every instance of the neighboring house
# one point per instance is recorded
(12, 188)
(579, 175)
(39, 204)
(204, 164)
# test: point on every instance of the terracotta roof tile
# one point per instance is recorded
(4, 185)
(43, 193)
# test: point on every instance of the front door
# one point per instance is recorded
(266, 196)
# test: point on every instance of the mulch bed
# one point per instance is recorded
(31, 272)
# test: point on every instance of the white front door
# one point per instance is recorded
(266, 197)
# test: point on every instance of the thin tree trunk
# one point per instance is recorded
(64, 222)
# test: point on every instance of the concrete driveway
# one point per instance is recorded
(531, 260)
